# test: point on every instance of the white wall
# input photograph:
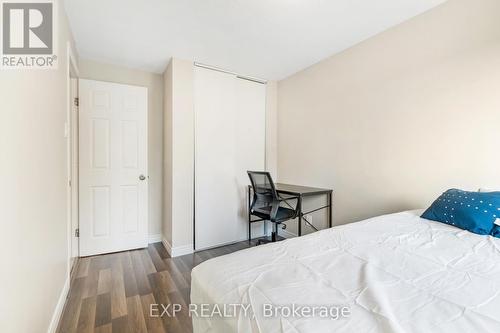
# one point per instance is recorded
(401, 117)
(272, 129)
(33, 174)
(154, 82)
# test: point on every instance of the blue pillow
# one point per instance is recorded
(496, 231)
(472, 211)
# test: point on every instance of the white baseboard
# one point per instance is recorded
(287, 234)
(167, 246)
(188, 249)
(178, 250)
(54, 322)
(155, 238)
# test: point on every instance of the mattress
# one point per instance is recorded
(395, 273)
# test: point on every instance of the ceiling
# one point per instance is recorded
(269, 39)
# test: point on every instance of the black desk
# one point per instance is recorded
(300, 192)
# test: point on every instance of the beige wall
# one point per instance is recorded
(154, 82)
(183, 152)
(179, 155)
(167, 153)
(392, 122)
(33, 174)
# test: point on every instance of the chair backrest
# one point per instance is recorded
(263, 188)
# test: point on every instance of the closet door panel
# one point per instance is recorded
(215, 193)
(229, 140)
(250, 146)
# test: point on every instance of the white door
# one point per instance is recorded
(113, 185)
(229, 140)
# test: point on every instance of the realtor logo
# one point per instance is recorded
(28, 34)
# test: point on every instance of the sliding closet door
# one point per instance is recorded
(250, 142)
(215, 193)
(230, 136)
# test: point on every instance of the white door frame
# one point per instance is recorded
(71, 72)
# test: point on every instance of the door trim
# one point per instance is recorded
(72, 71)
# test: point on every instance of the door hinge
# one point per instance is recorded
(77, 232)
(69, 182)
(77, 101)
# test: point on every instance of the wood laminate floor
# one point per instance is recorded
(113, 292)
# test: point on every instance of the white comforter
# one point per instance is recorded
(396, 273)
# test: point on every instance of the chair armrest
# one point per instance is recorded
(274, 211)
(277, 204)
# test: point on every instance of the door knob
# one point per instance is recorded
(142, 177)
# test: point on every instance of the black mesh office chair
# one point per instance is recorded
(266, 203)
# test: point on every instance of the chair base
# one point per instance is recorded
(274, 236)
(265, 241)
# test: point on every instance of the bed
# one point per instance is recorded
(396, 273)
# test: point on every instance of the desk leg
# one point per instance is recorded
(249, 216)
(299, 225)
(330, 210)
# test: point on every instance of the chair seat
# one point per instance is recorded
(282, 215)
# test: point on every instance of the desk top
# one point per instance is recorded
(299, 190)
